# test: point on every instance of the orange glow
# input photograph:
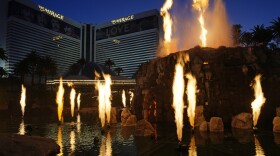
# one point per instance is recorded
(123, 98)
(79, 101)
(72, 141)
(104, 98)
(59, 140)
(167, 20)
(106, 146)
(191, 92)
(259, 99)
(59, 99)
(201, 6)
(72, 101)
(258, 148)
(192, 147)
(178, 94)
(23, 99)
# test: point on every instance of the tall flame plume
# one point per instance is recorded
(79, 101)
(191, 92)
(23, 99)
(123, 98)
(104, 98)
(167, 20)
(59, 99)
(178, 94)
(72, 100)
(259, 99)
(201, 6)
(131, 97)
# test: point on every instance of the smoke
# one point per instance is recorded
(186, 28)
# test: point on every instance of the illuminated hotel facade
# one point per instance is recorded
(30, 26)
(128, 41)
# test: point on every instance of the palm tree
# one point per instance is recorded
(276, 29)
(3, 55)
(49, 67)
(2, 72)
(21, 68)
(246, 39)
(109, 63)
(261, 35)
(118, 70)
(33, 60)
(236, 34)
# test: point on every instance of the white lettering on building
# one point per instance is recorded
(50, 12)
(123, 19)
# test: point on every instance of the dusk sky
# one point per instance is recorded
(245, 12)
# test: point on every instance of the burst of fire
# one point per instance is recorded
(79, 101)
(59, 140)
(191, 92)
(201, 6)
(21, 128)
(59, 99)
(23, 99)
(72, 101)
(108, 95)
(123, 98)
(167, 20)
(178, 94)
(104, 98)
(131, 97)
(259, 99)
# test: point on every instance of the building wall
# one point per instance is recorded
(129, 42)
(3, 27)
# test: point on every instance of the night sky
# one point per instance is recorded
(245, 12)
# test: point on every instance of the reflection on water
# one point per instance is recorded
(72, 141)
(59, 139)
(192, 147)
(21, 129)
(106, 146)
(258, 148)
(78, 123)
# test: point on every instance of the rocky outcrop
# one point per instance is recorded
(113, 115)
(223, 78)
(242, 121)
(144, 128)
(276, 124)
(216, 125)
(199, 117)
(13, 145)
(203, 126)
(278, 111)
(127, 118)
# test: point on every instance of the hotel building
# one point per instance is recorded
(128, 41)
(30, 26)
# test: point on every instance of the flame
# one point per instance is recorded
(78, 123)
(191, 92)
(192, 147)
(259, 99)
(59, 139)
(131, 97)
(72, 141)
(106, 146)
(201, 6)
(59, 99)
(79, 101)
(21, 128)
(72, 100)
(167, 20)
(178, 94)
(23, 99)
(104, 98)
(123, 98)
(258, 148)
